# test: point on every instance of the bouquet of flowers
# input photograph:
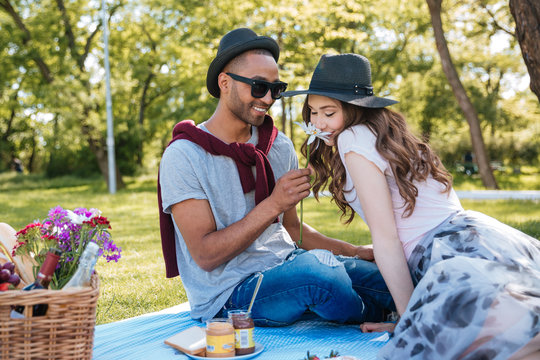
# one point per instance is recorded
(69, 231)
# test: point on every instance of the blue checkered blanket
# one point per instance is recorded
(143, 338)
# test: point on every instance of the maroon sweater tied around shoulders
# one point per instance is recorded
(244, 155)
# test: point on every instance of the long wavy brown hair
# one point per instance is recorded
(410, 159)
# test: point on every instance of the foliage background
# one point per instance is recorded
(52, 113)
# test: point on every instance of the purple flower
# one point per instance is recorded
(70, 231)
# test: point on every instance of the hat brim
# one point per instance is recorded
(359, 100)
(217, 65)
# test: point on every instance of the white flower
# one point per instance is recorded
(313, 132)
(76, 219)
(95, 212)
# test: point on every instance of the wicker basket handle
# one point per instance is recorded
(23, 264)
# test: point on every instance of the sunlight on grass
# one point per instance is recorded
(524, 215)
(137, 284)
(527, 179)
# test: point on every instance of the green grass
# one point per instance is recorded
(137, 283)
(527, 179)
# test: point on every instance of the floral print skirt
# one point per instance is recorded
(477, 293)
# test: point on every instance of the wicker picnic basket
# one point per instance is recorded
(66, 331)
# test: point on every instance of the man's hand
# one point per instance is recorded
(369, 327)
(365, 252)
(290, 189)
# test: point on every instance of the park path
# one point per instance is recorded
(498, 194)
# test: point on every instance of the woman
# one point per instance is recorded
(466, 286)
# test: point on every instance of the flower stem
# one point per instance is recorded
(302, 205)
(301, 220)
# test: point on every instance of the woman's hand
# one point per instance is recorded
(365, 252)
(369, 327)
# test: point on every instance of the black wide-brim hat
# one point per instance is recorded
(234, 43)
(345, 77)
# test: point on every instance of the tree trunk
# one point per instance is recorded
(98, 147)
(463, 100)
(426, 126)
(142, 108)
(291, 126)
(32, 157)
(526, 13)
(283, 116)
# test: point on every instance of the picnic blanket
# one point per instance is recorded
(143, 338)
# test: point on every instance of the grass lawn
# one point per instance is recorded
(137, 284)
(527, 179)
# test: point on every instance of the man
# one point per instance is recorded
(227, 225)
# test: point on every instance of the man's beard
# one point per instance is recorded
(243, 110)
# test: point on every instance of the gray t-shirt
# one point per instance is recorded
(188, 172)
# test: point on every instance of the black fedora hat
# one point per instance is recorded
(233, 44)
(345, 77)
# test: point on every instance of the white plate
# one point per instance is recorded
(258, 349)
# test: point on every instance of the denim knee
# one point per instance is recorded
(308, 280)
(321, 268)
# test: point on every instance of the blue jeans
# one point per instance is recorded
(341, 289)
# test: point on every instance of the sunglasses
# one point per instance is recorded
(259, 88)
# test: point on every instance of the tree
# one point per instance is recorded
(14, 134)
(527, 16)
(51, 87)
(73, 48)
(463, 100)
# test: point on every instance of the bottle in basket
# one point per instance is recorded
(42, 281)
(84, 272)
